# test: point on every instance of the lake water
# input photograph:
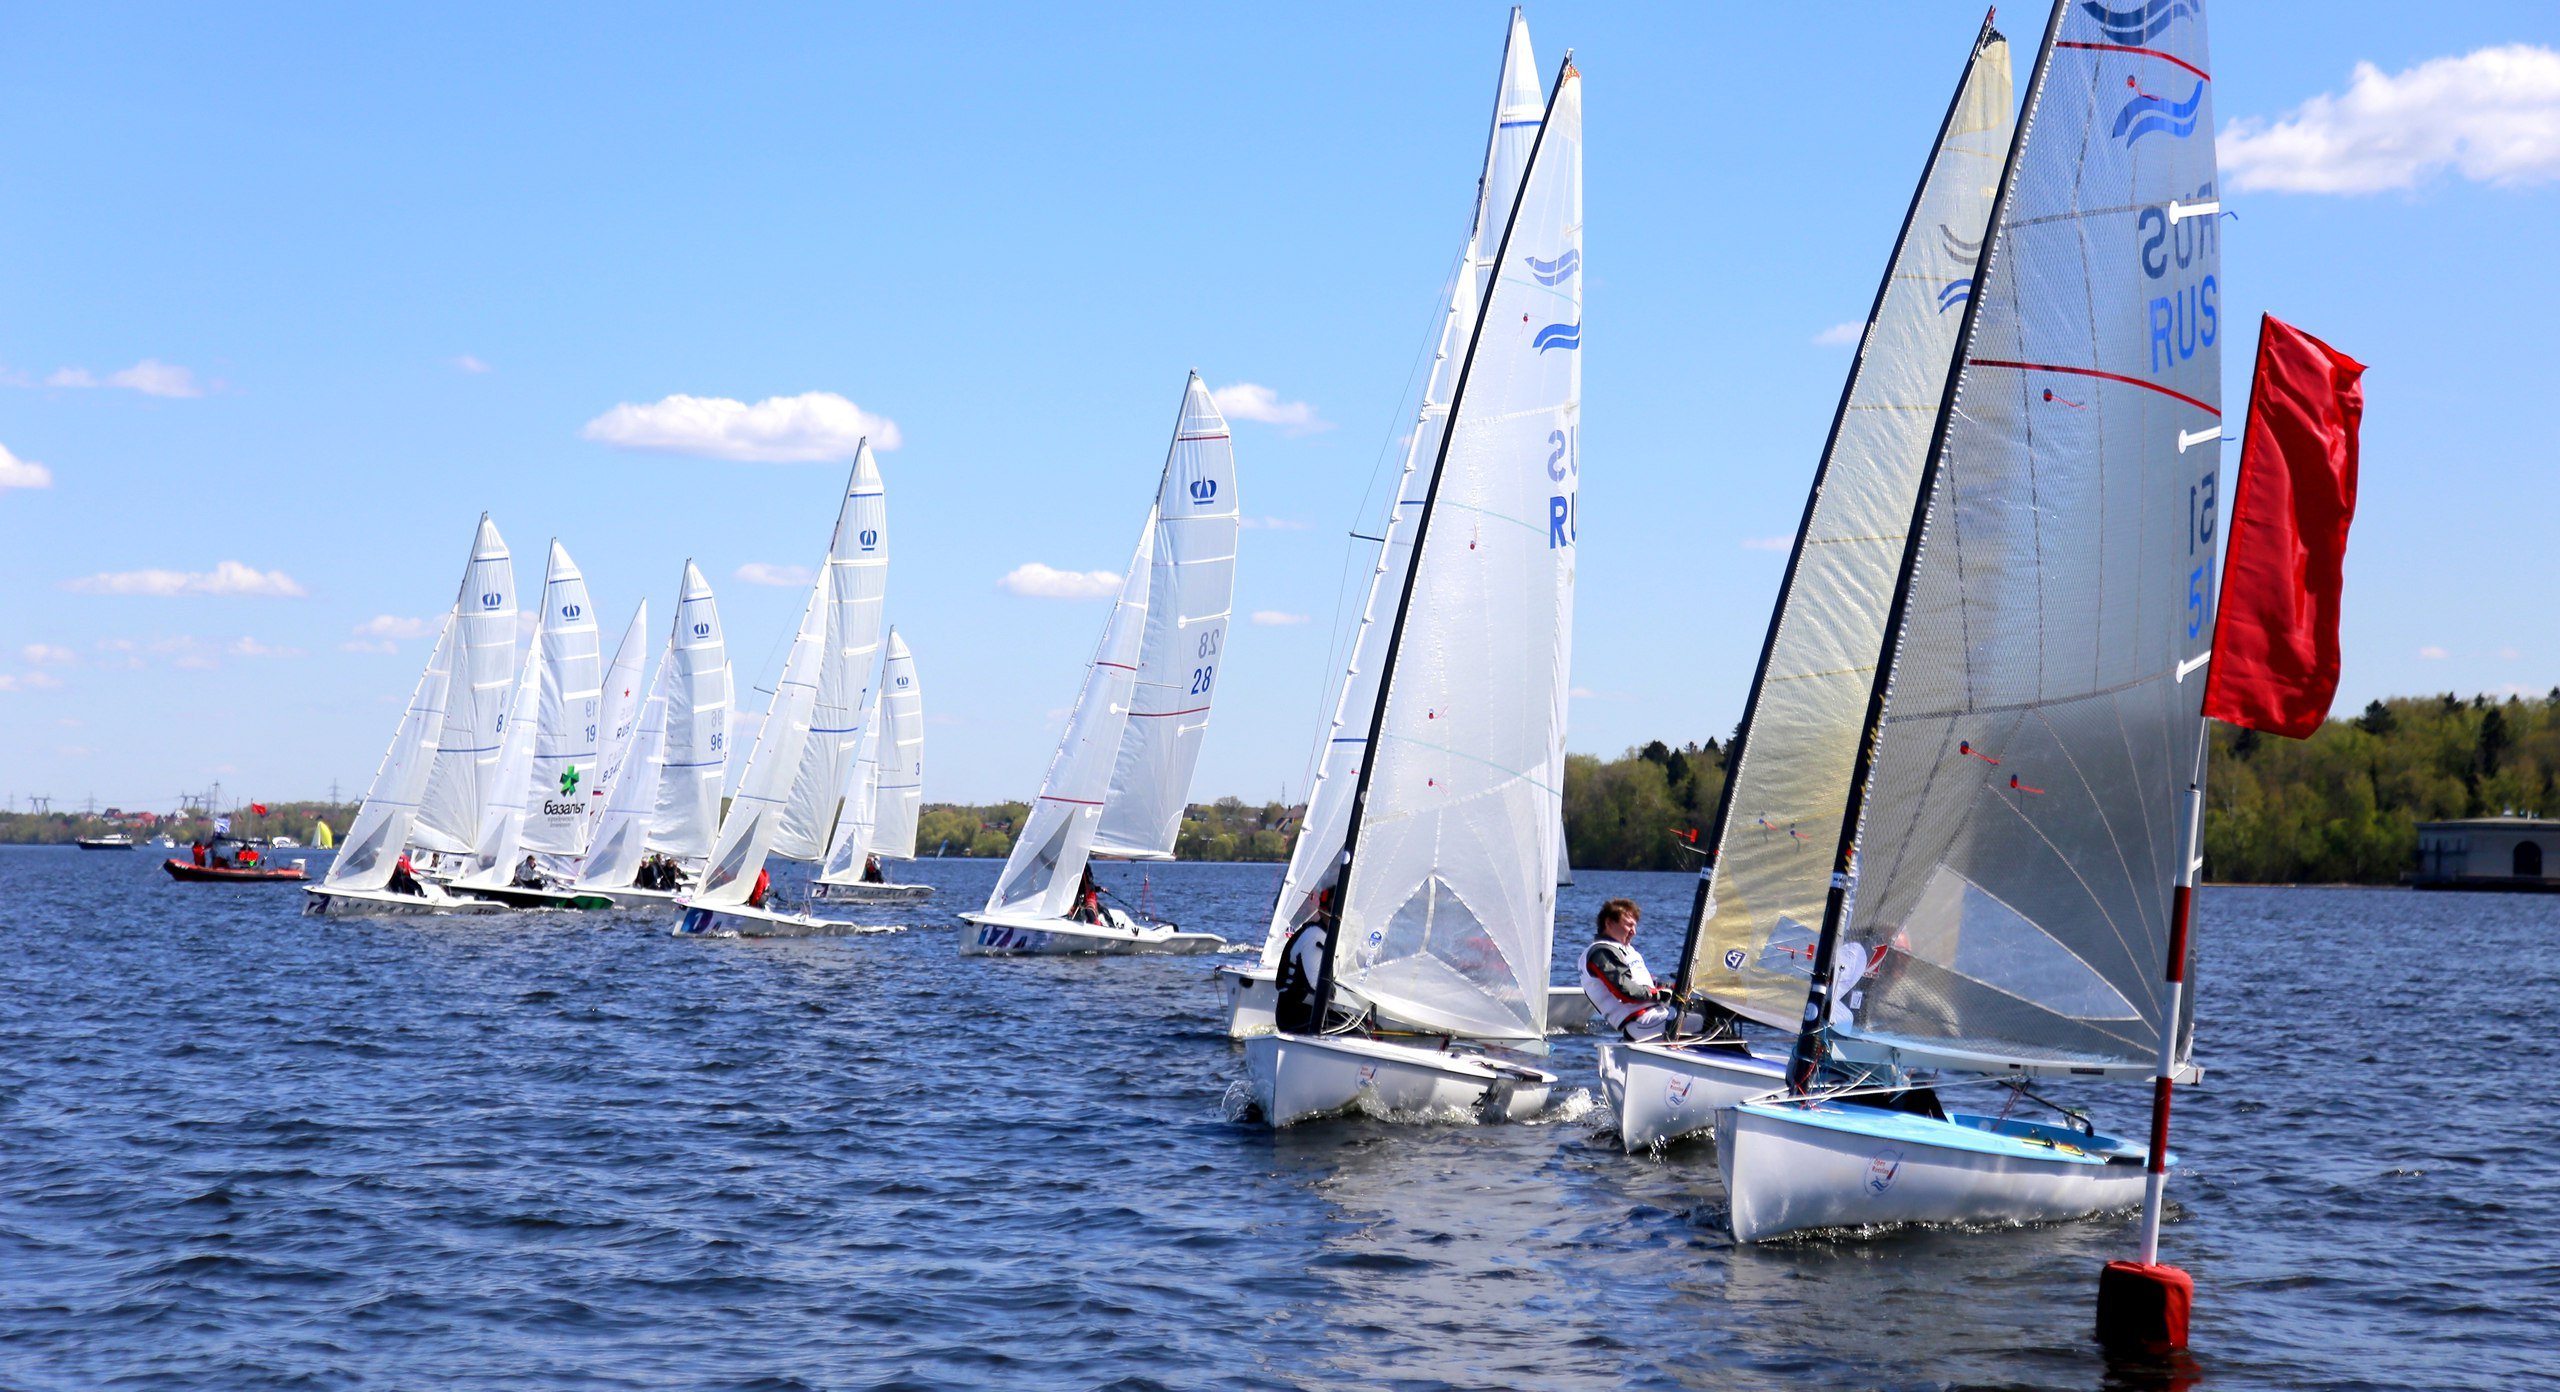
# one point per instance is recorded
(244, 1149)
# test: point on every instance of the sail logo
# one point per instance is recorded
(702, 630)
(570, 611)
(2147, 113)
(1558, 271)
(1557, 336)
(1676, 1091)
(869, 537)
(2183, 254)
(1734, 958)
(1881, 1168)
(1953, 293)
(906, 681)
(569, 781)
(1204, 491)
(492, 600)
(2142, 23)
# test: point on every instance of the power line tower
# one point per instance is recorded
(39, 804)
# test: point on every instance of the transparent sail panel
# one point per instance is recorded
(696, 680)
(568, 729)
(484, 678)
(1792, 769)
(1449, 910)
(1190, 592)
(371, 848)
(856, 585)
(2021, 839)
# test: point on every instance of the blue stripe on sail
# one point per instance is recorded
(1558, 336)
(706, 763)
(1534, 120)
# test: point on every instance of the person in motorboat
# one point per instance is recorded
(404, 878)
(198, 848)
(1088, 905)
(1623, 992)
(871, 871)
(764, 886)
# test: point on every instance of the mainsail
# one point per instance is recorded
(484, 675)
(1752, 929)
(492, 862)
(1519, 108)
(694, 677)
(621, 836)
(853, 586)
(381, 828)
(626, 691)
(1056, 837)
(1448, 904)
(566, 736)
(747, 832)
(2015, 819)
(900, 790)
(1190, 593)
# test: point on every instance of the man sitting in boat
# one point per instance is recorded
(871, 871)
(528, 875)
(764, 886)
(404, 878)
(1293, 1006)
(198, 848)
(1623, 993)
(1088, 905)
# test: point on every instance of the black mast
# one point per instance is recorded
(1795, 557)
(1817, 1004)
(1413, 567)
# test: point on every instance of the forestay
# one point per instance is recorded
(695, 678)
(1190, 593)
(1448, 910)
(620, 842)
(1519, 107)
(1778, 825)
(566, 736)
(1056, 838)
(371, 850)
(483, 665)
(2040, 714)
(747, 832)
(853, 587)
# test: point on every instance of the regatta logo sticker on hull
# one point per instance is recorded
(1881, 1168)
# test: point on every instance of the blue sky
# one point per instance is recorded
(292, 296)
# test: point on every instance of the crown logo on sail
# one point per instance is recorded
(491, 600)
(1204, 491)
(869, 538)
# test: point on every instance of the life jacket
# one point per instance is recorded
(1293, 1008)
(1614, 977)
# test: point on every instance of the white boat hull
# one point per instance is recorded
(740, 921)
(1792, 1168)
(1664, 1092)
(870, 893)
(1297, 1078)
(996, 935)
(1250, 994)
(319, 902)
(633, 899)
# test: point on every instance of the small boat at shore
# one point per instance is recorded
(112, 841)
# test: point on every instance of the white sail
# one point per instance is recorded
(854, 583)
(900, 790)
(371, 848)
(568, 734)
(1190, 594)
(483, 681)
(1448, 905)
(1789, 771)
(1056, 837)
(695, 680)
(1519, 106)
(2055, 604)
(492, 863)
(747, 832)
(852, 847)
(621, 836)
(626, 691)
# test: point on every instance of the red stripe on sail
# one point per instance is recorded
(2145, 52)
(2095, 372)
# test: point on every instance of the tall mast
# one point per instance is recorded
(1413, 568)
(1817, 1005)
(1705, 892)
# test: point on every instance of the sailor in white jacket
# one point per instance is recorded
(1623, 993)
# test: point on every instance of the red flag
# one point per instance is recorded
(2275, 642)
(258, 807)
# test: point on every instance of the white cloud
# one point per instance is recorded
(28, 681)
(71, 377)
(1046, 582)
(1270, 524)
(777, 430)
(47, 655)
(1274, 618)
(392, 626)
(1254, 402)
(2433, 653)
(763, 573)
(362, 645)
(22, 473)
(1840, 335)
(2492, 115)
(227, 578)
(1585, 693)
(470, 364)
(245, 646)
(152, 377)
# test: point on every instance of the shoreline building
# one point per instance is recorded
(2488, 853)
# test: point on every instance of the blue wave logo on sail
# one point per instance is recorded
(2147, 113)
(1558, 271)
(2143, 22)
(1954, 293)
(1557, 336)
(1204, 491)
(1958, 249)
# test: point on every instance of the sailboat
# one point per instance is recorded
(1519, 106)
(1758, 903)
(620, 704)
(2019, 831)
(1122, 771)
(359, 880)
(1442, 912)
(463, 776)
(882, 804)
(803, 758)
(663, 800)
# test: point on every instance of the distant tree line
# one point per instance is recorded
(294, 819)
